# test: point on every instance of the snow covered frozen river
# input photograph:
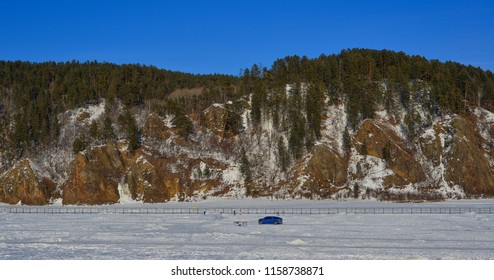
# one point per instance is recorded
(109, 235)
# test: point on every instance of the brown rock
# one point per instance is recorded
(375, 139)
(327, 166)
(466, 164)
(94, 178)
(155, 127)
(324, 174)
(21, 184)
(153, 179)
(431, 146)
(214, 119)
(146, 183)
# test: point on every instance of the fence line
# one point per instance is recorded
(248, 211)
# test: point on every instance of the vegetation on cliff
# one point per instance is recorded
(361, 123)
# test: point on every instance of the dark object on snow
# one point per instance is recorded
(273, 220)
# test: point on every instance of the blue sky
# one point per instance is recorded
(225, 36)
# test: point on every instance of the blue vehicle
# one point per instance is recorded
(273, 220)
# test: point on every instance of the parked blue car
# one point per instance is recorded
(273, 220)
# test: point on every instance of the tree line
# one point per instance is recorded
(32, 95)
(293, 90)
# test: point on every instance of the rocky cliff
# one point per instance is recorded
(23, 184)
(452, 157)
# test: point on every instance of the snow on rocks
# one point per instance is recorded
(333, 127)
(87, 114)
(232, 175)
(368, 171)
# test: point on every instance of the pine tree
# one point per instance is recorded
(283, 156)
(107, 133)
(233, 121)
(309, 142)
(297, 124)
(80, 144)
(296, 140)
(245, 169)
(410, 124)
(129, 125)
(94, 131)
(21, 138)
(180, 120)
(256, 109)
(356, 191)
(314, 105)
(347, 142)
(183, 124)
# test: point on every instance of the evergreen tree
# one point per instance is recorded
(314, 105)
(245, 168)
(129, 125)
(107, 133)
(80, 144)
(283, 156)
(183, 124)
(297, 124)
(233, 120)
(356, 191)
(296, 139)
(180, 120)
(347, 142)
(410, 123)
(21, 137)
(256, 109)
(309, 142)
(94, 131)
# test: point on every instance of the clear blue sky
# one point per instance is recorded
(225, 36)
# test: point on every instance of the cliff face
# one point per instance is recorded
(378, 140)
(22, 184)
(157, 127)
(94, 177)
(98, 173)
(322, 174)
(452, 157)
(214, 119)
(467, 165)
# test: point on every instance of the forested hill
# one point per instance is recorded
(366, 79)
(33, 94)
(361, 123)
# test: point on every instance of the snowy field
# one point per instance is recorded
(214, 236)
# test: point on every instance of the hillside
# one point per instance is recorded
(361, 124)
